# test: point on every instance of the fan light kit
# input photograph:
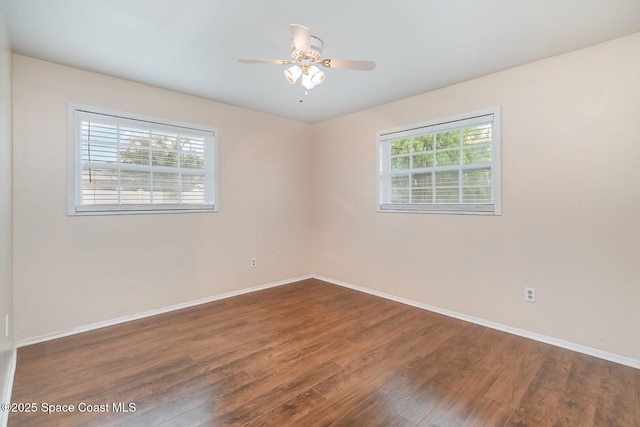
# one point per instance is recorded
(306, 51)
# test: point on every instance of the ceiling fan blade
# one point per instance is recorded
(301, 37)
(265, 61)
(349, 64)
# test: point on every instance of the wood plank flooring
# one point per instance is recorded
(316, 354)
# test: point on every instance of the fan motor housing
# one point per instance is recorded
(316, 45)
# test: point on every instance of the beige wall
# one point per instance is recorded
(75, 271)
(6, 232)
(570, 201)
(302, 199)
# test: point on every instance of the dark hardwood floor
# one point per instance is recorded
(315, 354)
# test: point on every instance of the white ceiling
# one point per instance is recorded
(192, 46)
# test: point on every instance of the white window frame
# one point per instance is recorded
(385, 137)
(76, 113)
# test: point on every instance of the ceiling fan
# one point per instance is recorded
(306, 54)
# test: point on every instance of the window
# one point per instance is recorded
(449, 165)
(119, 163)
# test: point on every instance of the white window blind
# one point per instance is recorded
(121, 164)
(448, 165)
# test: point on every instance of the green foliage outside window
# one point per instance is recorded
(417, 159)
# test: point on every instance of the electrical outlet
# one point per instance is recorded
(254, 262)
(530, 294)
(6, 325)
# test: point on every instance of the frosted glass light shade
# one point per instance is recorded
(292, 73)
(316, 75)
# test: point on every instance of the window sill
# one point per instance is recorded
(116, 211)
(441, 209)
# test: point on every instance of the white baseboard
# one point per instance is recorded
(493, 325)
(128, 318)
(8, 388)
